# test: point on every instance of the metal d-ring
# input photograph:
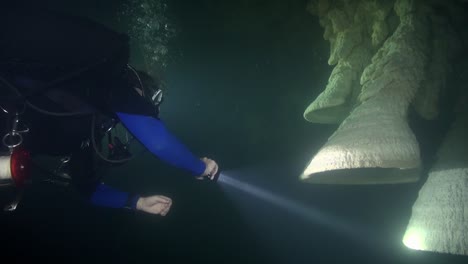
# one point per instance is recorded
(9, 136)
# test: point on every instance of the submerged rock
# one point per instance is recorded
(376, 133)
(347, 25)
(439, 220)
(410, 64)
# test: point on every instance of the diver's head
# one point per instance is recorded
(146, 85)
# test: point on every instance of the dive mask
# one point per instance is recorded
(150, 90)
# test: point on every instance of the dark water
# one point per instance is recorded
(236, 94)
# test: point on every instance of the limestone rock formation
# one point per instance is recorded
(347, 24)
(376, 133)
(439, 220)
(414, 66)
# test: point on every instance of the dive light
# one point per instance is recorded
(216, 177)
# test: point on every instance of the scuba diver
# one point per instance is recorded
(65, 84)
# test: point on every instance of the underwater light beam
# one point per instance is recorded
(295, 207)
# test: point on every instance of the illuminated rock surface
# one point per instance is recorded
(347, 24)
(376, 133)
(439, 220)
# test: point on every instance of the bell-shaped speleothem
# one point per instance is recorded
(376, 133)
(351, 49)
(439, 220)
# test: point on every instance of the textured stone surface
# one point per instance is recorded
(376, 133)
(357, 29)
(400, 62)
(346, 26)
(332, 105)
(439, 220)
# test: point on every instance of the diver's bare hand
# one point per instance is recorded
(210, 170)
(156, 204)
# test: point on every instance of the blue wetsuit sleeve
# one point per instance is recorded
(109, 197)
(153, 134)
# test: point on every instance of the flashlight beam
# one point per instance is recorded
(293, 206)
(270, 197)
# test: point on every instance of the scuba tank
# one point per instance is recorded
(50, 57)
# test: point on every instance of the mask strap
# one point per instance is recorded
(138, 77)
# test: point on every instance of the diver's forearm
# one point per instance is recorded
(152, 133)
(110, 197)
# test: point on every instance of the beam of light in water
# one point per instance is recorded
(299, 209)
(270, 197)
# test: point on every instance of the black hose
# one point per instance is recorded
(38, 109)
(93, 142)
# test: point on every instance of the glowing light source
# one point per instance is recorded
(414, 239)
